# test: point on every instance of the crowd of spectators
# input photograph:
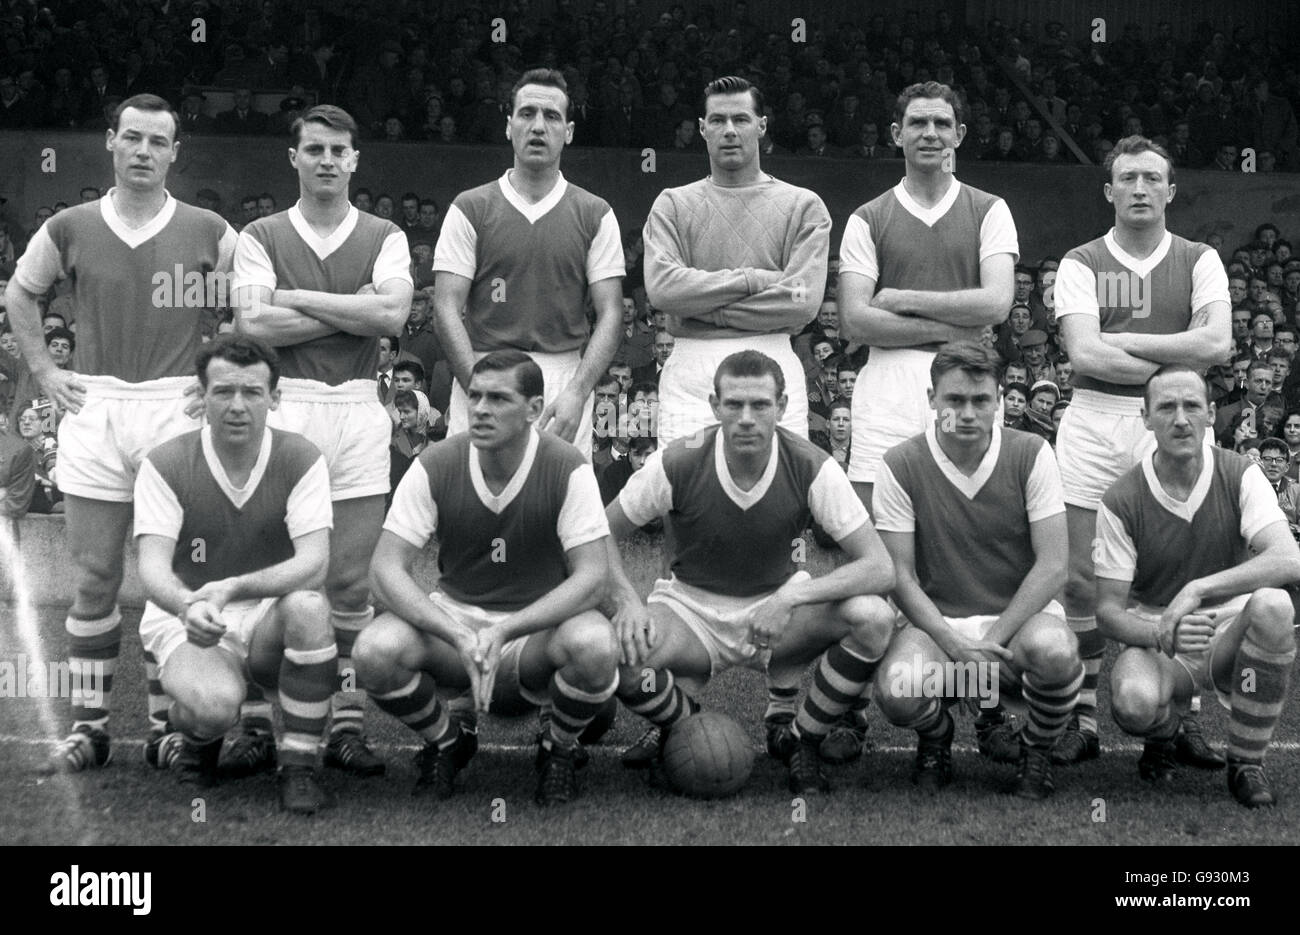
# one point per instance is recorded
(432, 72)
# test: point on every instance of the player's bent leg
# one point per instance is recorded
(911, 655)
(1145, 688)
(858, 631)
(1046, 654)
(357, 524)
(1252, 661)
(96, 536)
(206, 687)
(576, 664)
(651, 689)
(298, 632)
(1080, 740)
(401, 667)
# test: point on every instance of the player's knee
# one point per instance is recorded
(589, 644)
(376, 656)
(871, 624)
(306, 616)
(893, 692)
(1272, 619)
(1052, 653)
(211, 708)
(1135, 703)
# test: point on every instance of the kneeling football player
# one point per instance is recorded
(974, 518)
(521, 554)
(1192, 555)
(736, 499)
(233, 523)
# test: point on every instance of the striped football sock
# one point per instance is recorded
(1092, 648)
(306, 683)
(573, 709)
(159, 703)
(1255, 713)
(255, 712)
(1050, 707)
(416, 705)
(839, 682)
(657, 698)
(93, 647)
(348, 703)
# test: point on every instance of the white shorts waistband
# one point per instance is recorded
(105, 387)
(1096, 401)
(296, 389)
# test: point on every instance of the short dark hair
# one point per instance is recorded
(1259, 315)
(528, 376)
(1274, 444)
(1278, 353)
(58, 315)
(1021, 388)
(394, 342)
(61, 333)
(547, 77)
(973, 359)
(413, 367)
(147, 102)
(1132, 146)
(845, 364)
(327, 115)
(749, 364)
(1168, 370)
(732, 84)
(645, 386)
(1254, 365)
(406, 399)
(928, 89)
(1289, 329)
(841, 403)
(608, 378)
(240, 349)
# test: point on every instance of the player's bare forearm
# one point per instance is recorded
(620, 589)
(1041, 586)
(450, 293)
(305, 571)
(1116, 623)
(880, 328)
(279, 326)
(394, 585)
(375, 314)
(1277, 566)
(160, 583)
(870, 570)
(919, 610)
(1101, 361)
(607, 297)
(584, 589)
(965, 308)
(25, 322)
(1201, 347)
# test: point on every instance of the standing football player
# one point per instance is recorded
(136, 340)
(521, 553)
(973, 517)
(520, 256)
(736, 260)
(733, 498)
(322, 282)
(931, 260)
(1126, 303)
(248, 599)
(1193, 554)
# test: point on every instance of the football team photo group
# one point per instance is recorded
(1003, 578)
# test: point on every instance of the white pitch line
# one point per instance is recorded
(1286, 746)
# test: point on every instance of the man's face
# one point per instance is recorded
(411, 209)
(1140, 189)
(538, 128)
(1043, 402)
(1013, 404)
(384, 208)
(1281, 370)
(749, 411)
(1262, 328)
(237, 400)
(422, 255)
(1064, 374)
(1291, 281)
(9, 344)
(828, 316)
(816, 137)
(1286, 341)
(1241, 324)
(663, 347)
(606, 401)
(404, 380)
(325, 161)
(386, 355)
(1259, 382)
(844, 383)
(498, 412)
(966, 407)
(731, 130)
(1019, 320)
(364, 202)
(419, 313)
(1178, 414)
(428, 217)
(629, 310)
(144, 147)
(249, 207)
(1237, 292)
(50, 322)
(1258, 291)
(928, 134)
(60, 351)
(1024, 286)
(1034, 356)
(1015, 373)
(266, 206)
(1239, 368)
(644, 400)
(1274, 463)
(623, 373)
(840, 424)
(637, 457)
(1291, 431)
(822, 350)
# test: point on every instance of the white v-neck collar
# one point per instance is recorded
(927, 216)
(1200, 490)
(1142, 267)
(323, 246)
(743, 498)
(498, 502)
(972, 485)
(134, 236)
(532, 212)
(236, 495)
